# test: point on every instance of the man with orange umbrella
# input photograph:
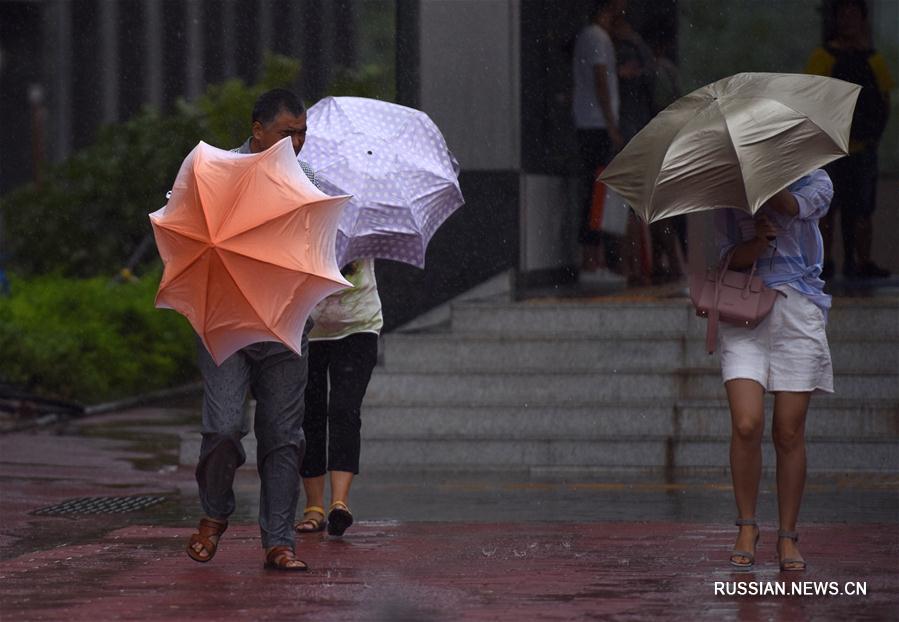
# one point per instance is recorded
(276, 375)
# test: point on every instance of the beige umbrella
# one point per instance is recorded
(734, 143)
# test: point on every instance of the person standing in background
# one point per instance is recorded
(636, 70)
(669, 236)
(595, 107)
(848, 55)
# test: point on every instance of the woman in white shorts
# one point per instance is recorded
(786, 354)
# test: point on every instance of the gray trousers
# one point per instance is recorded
(277, 378)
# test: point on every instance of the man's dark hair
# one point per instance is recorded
(273, 102)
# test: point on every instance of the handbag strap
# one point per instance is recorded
(711, 329)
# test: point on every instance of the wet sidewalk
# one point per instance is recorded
(428, 546)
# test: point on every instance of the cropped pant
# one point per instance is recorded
(339, 371)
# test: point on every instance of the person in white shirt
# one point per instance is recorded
(595, 105)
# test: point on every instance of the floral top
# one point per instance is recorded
(354, 310)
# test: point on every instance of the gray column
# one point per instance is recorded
(153, 31)
(229, 34)
(265, 30)
(484, 72)
(109, 61)
(293, 21)
(408, 53)
(194, 17)
(58, 20)
(315, 42)
(344, 50)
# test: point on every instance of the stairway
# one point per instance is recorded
(605, 383)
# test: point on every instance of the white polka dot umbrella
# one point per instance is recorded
(395, 163)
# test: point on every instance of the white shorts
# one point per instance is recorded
(788, 351)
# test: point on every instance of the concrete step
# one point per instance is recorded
(445, 351)
(833, 418)
(450, 351)
(842, 435)
(608, 319)
(488, 387)
(858, 317)
(864, 317)
(629, 452)
(604, 384)
(836, 419)
(653, 453)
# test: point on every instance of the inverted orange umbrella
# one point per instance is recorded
(248, 247)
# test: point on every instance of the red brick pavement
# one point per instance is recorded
(450, 571)
(133, 567)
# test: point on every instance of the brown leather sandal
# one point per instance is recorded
(206, 530)
(283, 558)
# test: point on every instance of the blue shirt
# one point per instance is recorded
(795, 258)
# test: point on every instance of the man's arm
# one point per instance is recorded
(605, 104)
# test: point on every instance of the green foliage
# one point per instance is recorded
(93, 339)
(371, 80)
(68, 330)
(374, 74)
(91, 211)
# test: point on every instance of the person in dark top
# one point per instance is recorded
(849, 55)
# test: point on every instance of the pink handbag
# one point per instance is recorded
(733, 297)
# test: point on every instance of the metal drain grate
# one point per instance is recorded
(100, 505)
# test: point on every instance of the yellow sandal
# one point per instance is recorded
(312, 525)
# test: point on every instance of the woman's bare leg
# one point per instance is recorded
(788, 434)
(314, 488)
(340, 486)
(747, 413)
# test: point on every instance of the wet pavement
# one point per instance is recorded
(427, 546)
